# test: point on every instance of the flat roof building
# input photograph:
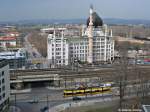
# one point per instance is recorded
(4, 86)
(16, 59)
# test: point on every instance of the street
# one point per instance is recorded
(39, 98)
(55, 97)
(30, 49)
(24, 100)
(33, 54)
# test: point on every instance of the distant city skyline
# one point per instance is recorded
(14, 10)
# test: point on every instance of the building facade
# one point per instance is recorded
(58, 48)
(94, 45)
(8, 42)
(4, 86)
(16, 58)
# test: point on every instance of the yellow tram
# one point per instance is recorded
(87, 91)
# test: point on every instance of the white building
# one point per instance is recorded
(50, 30)
(17, 53)
(4, 85)
(58, 48)
(95, 45)
(16, 58)
(8, 42)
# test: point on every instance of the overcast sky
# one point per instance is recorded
(70, 9)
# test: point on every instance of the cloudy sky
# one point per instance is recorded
(69, 9)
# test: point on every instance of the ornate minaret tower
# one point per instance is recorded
(90, 36)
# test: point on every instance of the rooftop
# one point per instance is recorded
(7, 38)
(146, 108)
(3, 63)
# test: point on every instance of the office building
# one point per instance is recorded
(94, 45)
(4, 86)
(16, 58)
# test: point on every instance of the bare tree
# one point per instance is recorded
(122, 71)
(39, 42)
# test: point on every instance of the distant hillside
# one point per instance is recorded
(127, 21)
(78, 21)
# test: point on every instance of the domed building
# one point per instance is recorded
(97, 21)
(94, 45)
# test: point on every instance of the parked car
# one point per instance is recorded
(76, 98)
(44, 109)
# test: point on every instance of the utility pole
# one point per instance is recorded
(15, 103)
(47, 101)
(121, 94)
(65, 82)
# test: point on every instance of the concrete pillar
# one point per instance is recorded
(61, 83)
(56, 83)
(19, 85)
(29, 85)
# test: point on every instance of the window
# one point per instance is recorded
(3, 95)
(102, 50)
(3, 88)
(58, 45)
(58, 49)
(52, 57)
(102, 46)
(57, 53)
(102, 54)
(2, 73)
(58, 40)
(20, 54)
(7, 44)
(59, 61)
(102, 39)
(81, 43)
(3, 81)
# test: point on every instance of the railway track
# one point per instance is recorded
(68, 74)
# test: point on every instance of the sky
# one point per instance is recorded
(13, 10)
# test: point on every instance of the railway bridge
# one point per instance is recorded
(63, 77)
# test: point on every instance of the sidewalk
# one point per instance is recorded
(14, 109)
(20, 91)
(55, 88)
(80, 103)
(86, 103)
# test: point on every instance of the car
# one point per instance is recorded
(44, 109)
(76, 98)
